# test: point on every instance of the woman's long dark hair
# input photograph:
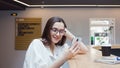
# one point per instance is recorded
(46, 32)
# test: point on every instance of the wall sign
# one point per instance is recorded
(27, 29)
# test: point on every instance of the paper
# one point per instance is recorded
(108, 60)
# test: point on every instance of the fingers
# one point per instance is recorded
(72, 51)
(75, 48)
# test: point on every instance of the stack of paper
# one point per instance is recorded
(108, 60)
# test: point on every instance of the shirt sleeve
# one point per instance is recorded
(36, 56)
(66, 46)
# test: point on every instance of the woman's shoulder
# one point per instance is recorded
(37, 42)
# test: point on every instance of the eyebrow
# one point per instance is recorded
(58, 28)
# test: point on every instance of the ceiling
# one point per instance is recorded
(72, 2)
(12, 5)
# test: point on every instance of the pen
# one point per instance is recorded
(118, 58)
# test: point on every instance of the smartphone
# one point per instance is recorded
(75, 39)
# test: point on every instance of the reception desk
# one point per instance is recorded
(88, 60)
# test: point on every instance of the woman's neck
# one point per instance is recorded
(52, 46)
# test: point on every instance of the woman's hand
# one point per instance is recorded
(72, 51)
(69, 35)
(83, 48)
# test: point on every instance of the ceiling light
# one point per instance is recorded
(21, 2)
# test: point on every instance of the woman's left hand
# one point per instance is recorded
(72, 51)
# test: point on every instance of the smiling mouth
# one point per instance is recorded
(55, 37)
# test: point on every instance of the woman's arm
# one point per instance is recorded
(68, 54)
(75, 48)
(69, 35)
(83, 48)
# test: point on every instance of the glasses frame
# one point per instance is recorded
(61, 31)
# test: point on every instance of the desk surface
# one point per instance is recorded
(87, 60)
(113, 46)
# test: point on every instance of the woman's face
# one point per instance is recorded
(57, 32)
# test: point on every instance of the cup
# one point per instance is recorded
(106, 50)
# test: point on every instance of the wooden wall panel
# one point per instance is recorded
(27, 29)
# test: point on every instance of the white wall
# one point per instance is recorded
(77, 20)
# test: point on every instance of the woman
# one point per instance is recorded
(51, 51)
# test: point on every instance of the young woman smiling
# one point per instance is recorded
(51, 50)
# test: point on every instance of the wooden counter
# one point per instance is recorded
(88, 60)
(113, 46)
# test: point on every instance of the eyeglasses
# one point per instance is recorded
(61, 31)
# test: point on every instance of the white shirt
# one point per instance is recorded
(39, 56)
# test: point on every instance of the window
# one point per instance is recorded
(102, 31)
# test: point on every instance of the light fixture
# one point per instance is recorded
(14, 14)
(21, 2)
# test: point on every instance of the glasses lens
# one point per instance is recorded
(61, 31)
